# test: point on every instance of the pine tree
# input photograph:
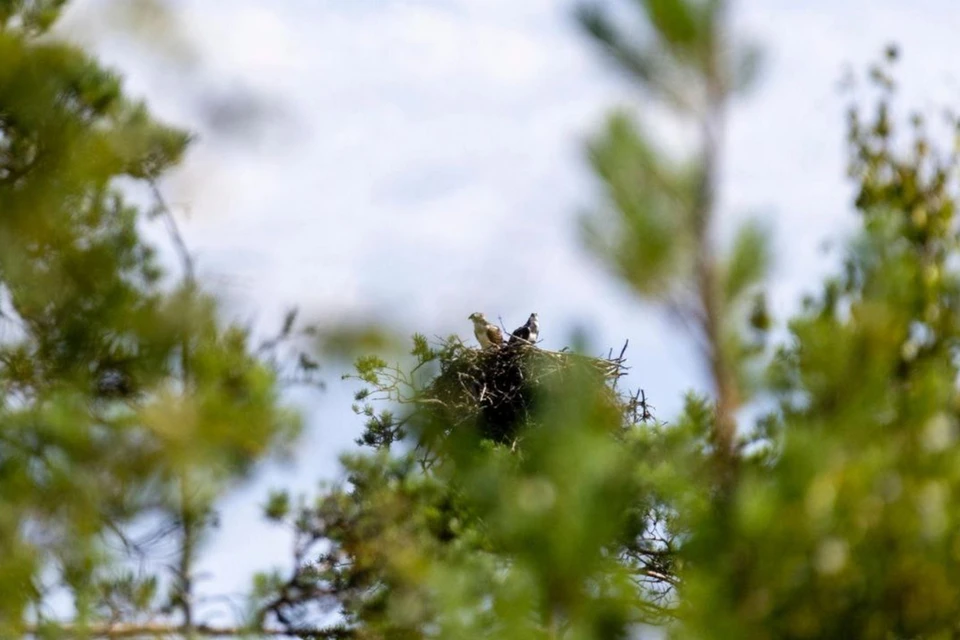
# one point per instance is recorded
(510, 492)
(122, 394)
(831, 516)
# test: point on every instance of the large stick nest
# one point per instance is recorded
(497, 389)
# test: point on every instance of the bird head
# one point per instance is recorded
(476, 316)
(533, 318)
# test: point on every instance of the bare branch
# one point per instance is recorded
(163, 209)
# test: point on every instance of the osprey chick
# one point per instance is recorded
(488, 335)
(528, 333)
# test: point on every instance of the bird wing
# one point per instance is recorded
(520, 333)
(494, 334)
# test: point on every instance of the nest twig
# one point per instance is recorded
(497, 388)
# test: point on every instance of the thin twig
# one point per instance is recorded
(162, 208)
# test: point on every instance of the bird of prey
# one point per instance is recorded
(488, 335)
(527, 333)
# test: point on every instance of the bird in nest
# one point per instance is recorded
(528, 333)
(487, 333)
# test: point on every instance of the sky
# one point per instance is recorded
(419, 160)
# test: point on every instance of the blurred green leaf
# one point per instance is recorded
(645, 234)
(346, 340)
(678, 22)
(118, 386)
(748, 263)
(278, 505)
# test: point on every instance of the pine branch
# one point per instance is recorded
(707, 278)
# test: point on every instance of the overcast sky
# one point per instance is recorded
(422, 159)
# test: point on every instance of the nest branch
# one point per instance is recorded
(497, 387)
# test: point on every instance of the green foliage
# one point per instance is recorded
(748, 263)
(651, 237)
(833, 515)
(504, 493)
(278, 505)
(850, 532)
(122, 394)
(127, 596)
(465, 537)
(681, 24)
(33, 17)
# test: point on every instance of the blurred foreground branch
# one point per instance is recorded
(160, 630)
